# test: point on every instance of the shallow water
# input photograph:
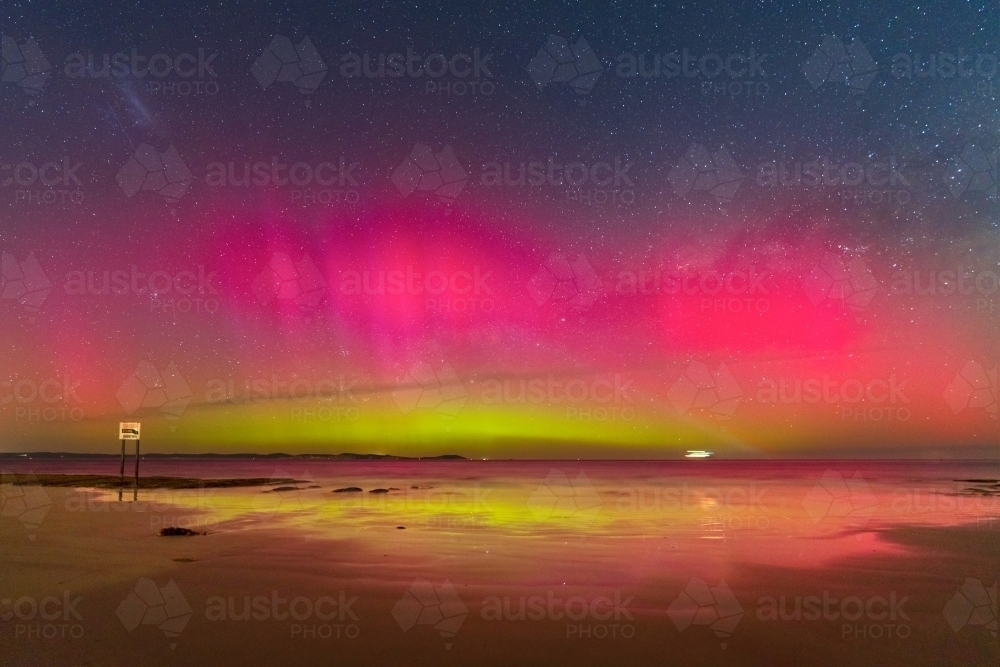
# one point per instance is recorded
(714, 557)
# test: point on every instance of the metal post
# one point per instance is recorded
(135, 484)
(121, 473)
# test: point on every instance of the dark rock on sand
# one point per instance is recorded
(349, 489)
(174, 531)
(983, 487)
(391, 488)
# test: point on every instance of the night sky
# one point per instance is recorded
(542, 230)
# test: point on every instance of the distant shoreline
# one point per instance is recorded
(351, 456)
(334, 457)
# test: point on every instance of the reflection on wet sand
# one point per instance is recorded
(600, 563)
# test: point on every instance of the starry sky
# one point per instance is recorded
(501, 230)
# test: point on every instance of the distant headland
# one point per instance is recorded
(346, 456)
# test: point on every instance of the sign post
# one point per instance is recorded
(121, 473)
(129, 431)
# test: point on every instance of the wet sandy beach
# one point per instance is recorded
(736, 563)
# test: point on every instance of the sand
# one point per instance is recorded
(93, 550)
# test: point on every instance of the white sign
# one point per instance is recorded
(128, 430)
